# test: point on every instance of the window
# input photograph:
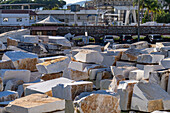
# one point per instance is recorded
(5, 19)
(19, 19)
(78, 18)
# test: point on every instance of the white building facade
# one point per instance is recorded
(17, 17)
(83, 17)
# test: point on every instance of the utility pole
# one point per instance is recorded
(138, 20)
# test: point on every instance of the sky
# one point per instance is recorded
(72, 1)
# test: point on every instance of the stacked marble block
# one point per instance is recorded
(52, 67)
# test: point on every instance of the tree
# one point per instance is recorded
(48, 4)
(152, 7)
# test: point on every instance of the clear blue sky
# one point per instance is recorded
(72, 1)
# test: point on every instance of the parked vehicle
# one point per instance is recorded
(153, 38)
(108, 38)
(126, 39)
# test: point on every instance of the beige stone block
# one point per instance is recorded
(35, 103)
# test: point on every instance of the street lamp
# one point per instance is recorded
(138, 20)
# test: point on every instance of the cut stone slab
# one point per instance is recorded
(75, 75)
(160, 77)
(22, 60)
(151, 68)
(20, 91)
(30, 39)
(97, 102)
(150, 58)
(46, 86)
(149, 97)
(93, 72)
(136, 75)
(109, 60)
(41, 60)
(1, 85)
(113, 85)
(89, 56)
(102, 75)
(13, 84)
(79, 66)
(120, 46)
(125, 90)
(35, 103)
(123, 70)
(6, 64)
(8, 74)
(140, 45)
(148, 50)
(35, 76)
(53, 66)
(69, 91)
(115, 52)
(166, 63)
(124, 63)
(92, 47)
(46, 77)
(59, 41)
(104, 84)
(8, 96)
(140, 66)
(131, 54)
(12, 42)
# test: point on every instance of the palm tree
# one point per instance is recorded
(150, 5)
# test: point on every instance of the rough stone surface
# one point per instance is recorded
(150, 58)
(20, 91)
(125, 90)
(140, 45)
(89, 56)
(123, 70)
(8, 96)
(79, 66)
(22, 60)
(6, 64)
(46, 86)
(8, 74)
(92, 47)
(166, 63)
(69, 91)
(53, 66)
(160, 77)
(120, 46)
(97, 102)
(109, 60)
(35, 103)
(46, 77)
(136, 75)
(150, 68)
(123, 63)
(29, 39)
(131, 55)
(13, 84)
(149, 97)
(12, 42)
(104, 84)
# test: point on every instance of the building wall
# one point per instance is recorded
(12, 20)
(68, 16)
